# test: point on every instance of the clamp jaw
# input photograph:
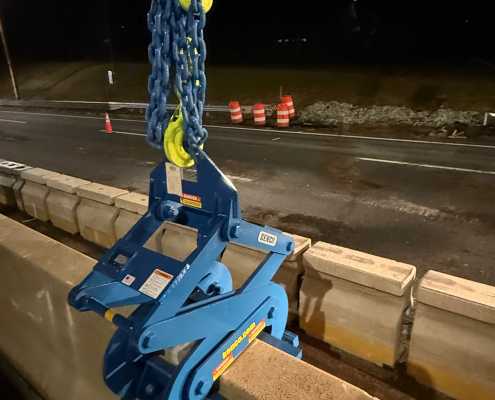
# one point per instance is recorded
(186, 302)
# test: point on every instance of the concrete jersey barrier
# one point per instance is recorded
(453, 339)
(355, 301)
(59, 351)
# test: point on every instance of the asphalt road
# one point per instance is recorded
(430, 204)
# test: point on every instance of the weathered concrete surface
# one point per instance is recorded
(453, 339)
(266, 373)
(58, 350)
(18, 185)
(7, 196)
(460, 296)
(178, 241)
(242, 262)
(62, 210)
(124, 222)
(326, 260)
(101, 193)
(134, 202)
(348, 311)
(34, 197)
(65, 183)
(38, 175)
(290, 280)
(62, 201)
(97, 222)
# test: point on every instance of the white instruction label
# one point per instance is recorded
(174, 179)
(267, 238)
(156, 283)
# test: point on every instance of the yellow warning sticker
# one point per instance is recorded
(259, 328)
(224, 365)
(191, 201)
(252, 332)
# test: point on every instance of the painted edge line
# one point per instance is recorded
(12, 121)
(335, 135)
(430, 166)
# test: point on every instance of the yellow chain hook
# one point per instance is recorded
(207, 4)
(173, 142)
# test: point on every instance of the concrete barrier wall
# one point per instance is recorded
(97, 213)
(355, 301)
(59, 351)
(35, 192)
(11, 184)
(453, 338)
(56, 349)
(62, 201)
(264, 372)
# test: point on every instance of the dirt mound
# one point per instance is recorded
(334, 113)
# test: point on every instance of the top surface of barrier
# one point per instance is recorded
(266, 373)
(471, 299)
(133, 202)
(38, 175)
(376, 272)
(101, 193)
(65, 183)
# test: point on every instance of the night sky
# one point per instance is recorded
(261, 32)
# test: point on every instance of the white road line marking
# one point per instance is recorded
(443, 167)
(69, 116)
(301, 133)
(481, 146)
(124, 133)
(12, 121)
(239, 178)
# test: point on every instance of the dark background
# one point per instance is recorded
(262, 32)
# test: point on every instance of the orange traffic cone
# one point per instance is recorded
(108, 124)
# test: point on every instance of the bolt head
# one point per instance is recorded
(235, 231)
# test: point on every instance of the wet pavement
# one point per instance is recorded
(429, 204)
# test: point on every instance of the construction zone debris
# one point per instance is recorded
(334, 113)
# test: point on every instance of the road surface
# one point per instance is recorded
(429, 204)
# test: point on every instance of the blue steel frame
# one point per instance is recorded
(198, 305)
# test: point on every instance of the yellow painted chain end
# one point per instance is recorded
(207, 4)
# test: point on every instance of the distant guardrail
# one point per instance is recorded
(107, 105)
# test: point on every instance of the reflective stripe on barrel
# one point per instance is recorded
(283, 116)
(235, 112)
(290, 104)
(259, 114)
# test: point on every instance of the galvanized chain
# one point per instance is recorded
(177, 54)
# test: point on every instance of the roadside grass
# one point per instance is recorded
(419, 88)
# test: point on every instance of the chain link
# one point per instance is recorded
(177, 54)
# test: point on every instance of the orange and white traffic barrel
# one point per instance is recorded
(290, 103)
(235, 112)
(283, 116)
(259, 114)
